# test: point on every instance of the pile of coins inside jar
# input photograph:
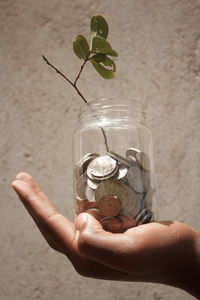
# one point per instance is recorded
(115, 189)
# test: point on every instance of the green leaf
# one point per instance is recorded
(100, 45)
(106, 61)
(98, 27)
(81, 47)
(104, 65)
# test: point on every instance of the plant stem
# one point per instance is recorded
(69, 81)
(78, 91)
(80, 71)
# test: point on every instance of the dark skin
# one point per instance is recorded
(166, 252)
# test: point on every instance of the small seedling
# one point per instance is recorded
(98, 53)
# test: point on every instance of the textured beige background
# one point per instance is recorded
(159, 64)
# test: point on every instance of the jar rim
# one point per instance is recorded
(125, 103)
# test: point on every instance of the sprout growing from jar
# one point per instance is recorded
(98, 53)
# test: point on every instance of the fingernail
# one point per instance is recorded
(13, 185)
(82, 220)
(21, 175)
(16, 186)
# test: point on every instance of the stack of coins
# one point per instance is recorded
(115, 189)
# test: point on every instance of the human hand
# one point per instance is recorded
(165, 252)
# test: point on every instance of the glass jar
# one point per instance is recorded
(113, 165)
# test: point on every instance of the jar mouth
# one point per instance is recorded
(106, 105)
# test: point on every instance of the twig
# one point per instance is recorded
(80, 71)
(75, 86)
(69, 81)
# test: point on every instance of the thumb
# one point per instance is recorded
(92, 239)
(98, 244)
(86, 222)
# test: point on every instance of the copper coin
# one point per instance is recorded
(92, 205)
(112, 187)
(109, 205)
(95, 213)
(81, 206)
(111, 224)
(126, 220)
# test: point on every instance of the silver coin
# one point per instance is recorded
(83, 163)
(133, 203)
(122, 172)
(138, 179)
(141, 215)
(90, 194)
(132, 159)
(143, 161)
(102, 167)
(112, 187)
(144, 217)
(132, 152)
(120, 158)
(92, 184)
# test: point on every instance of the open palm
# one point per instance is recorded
(165, 252)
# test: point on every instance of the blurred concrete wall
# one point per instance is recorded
(159, 64)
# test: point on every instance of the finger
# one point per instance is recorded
(44, 213)
(27, 178)
(82, 264)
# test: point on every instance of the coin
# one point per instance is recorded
(112, 187)
(92, 184)
(81, 206)
(143, 161)
(111, 224)
(95, 213)
(144, 216)
(115, 189)
(132, 152)
(91, 205)
(83, 163)
(90, 194)
(133, 202)
(132, 159)
(122, 172)
(109, 205)
(102, 167)
(147, 218)
(120, 158)
(126, 220)
(138, 179)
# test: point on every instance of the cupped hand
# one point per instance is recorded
(164, 252)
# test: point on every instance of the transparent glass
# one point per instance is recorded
(113, 164)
